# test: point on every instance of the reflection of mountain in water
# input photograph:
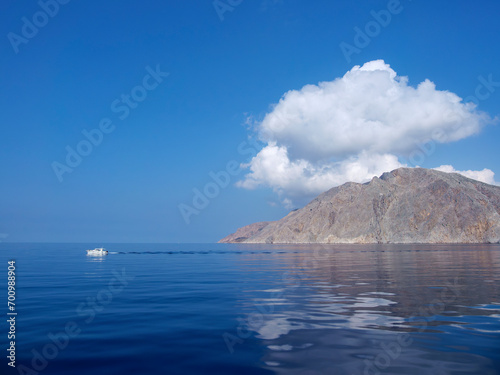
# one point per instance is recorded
(339, 307)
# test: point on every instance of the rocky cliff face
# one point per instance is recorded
(245, 232)
(407, 205)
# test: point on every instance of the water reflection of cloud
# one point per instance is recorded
(342, 305)
(339, 312)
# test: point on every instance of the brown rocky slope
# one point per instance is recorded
(407, 205)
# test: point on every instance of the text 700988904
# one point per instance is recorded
(11, 314)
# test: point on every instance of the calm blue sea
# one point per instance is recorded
(253, 309)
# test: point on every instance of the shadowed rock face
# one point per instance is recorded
(407, 205)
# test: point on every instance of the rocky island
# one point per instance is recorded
(407, 205)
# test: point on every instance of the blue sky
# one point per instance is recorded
(226, 69)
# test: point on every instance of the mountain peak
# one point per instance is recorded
(406, 205)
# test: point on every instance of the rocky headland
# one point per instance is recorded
(407, 205)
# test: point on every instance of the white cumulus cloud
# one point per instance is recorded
(303, 179)
(486, 175)
(353, 128)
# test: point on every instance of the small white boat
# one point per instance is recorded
(97, 251)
